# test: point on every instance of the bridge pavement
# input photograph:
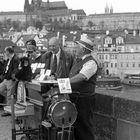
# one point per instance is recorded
(5, 128)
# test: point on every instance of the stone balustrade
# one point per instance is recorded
(117, 115)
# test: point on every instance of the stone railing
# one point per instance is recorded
(117, 115)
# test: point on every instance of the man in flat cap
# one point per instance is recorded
(32, 52)
(83, 81)
(34, 56)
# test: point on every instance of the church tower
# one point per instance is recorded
(48, 5)
(26, 6)
(111, 10)
(106, 9)
(35, 5)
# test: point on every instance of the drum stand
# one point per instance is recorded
(67, 134)
(54, 133)
(30, 133)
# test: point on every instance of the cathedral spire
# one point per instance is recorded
(111, 9)
(26, 6)
(106, 9)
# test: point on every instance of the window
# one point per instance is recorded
(133, 64)
(127, 65)
(111, 65)
(115, 65)
(102, 56)
(121, 64)
(107, 65)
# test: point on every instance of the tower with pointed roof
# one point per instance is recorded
(35, 5)
(106, 9)
(111, 9)
(26, 6)
(48, 4)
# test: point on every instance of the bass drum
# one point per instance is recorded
(62, 113)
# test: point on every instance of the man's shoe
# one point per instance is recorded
(5, 114)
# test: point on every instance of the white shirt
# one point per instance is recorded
(7, 67)
(8, 63)
(57, 56)
(89, 68)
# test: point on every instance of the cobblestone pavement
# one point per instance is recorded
(6, 128)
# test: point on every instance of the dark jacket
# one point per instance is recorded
(64, 66)
(84, 87)
(25, 72)
(13, 68)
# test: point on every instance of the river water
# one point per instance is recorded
(127, 88)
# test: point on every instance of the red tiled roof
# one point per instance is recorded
(79, 12)
(26, 37)
(130, 39)
(55, 4)
(57, 12)
(6, 43)
(12, 13)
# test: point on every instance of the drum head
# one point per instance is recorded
(63, 113)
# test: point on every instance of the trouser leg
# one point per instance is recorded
(3, 88)
(10, 85)
(83, 127)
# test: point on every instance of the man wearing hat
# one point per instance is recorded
(83, 81)
(32, 52)
(34, 55)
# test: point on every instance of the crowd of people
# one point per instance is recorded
(81, 70)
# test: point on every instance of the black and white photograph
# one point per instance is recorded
(69, 70)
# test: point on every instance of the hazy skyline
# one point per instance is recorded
(89, 6)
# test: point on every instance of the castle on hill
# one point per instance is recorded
(39, 10)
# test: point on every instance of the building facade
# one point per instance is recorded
(53, 11)
(120, 54)
(112, 21)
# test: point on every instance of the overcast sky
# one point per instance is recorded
(89, 6)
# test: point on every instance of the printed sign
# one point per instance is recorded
(64, 85)
(42, 71)
(48, 72)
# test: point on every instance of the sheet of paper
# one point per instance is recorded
(64, 85)
(48, 72)
(42, 71)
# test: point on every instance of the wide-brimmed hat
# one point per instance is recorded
(86, 43)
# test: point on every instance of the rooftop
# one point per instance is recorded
(55, 4)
